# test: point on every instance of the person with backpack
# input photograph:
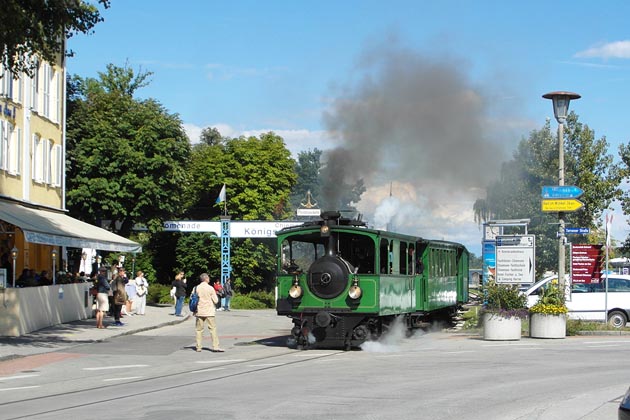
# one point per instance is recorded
(205, 314)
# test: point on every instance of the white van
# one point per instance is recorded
(589, 301)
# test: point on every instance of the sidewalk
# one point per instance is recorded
(85, 331)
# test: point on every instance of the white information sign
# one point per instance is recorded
(238, 229)
(515, 259)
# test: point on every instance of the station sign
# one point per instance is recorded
(238, 229)
(561, 205)
(586, 263)
(515, 259)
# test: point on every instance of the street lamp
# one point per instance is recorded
(98, 261)
(54, 258)
(133, 264)
(14, 255)
(560, 110)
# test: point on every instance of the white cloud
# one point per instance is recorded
(296, 140)
(429, 211)
(618, 49)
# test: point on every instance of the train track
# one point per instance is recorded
(191, 377)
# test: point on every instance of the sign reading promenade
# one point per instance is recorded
(515, 259)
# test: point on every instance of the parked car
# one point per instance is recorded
(589, 301)
(623, 413)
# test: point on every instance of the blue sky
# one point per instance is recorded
(301, 68)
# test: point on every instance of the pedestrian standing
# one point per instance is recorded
(206, 311)
(219, 291)
(227, 291)
(102, 302)
(180, 292)
(130, 304)
(120, 296)
(142, 288)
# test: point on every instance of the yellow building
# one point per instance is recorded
(35, 231)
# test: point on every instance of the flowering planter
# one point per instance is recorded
(497, 327)
(547, 326)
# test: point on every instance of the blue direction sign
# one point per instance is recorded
(561, 191)
(577, 231)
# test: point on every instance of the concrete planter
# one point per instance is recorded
(547, 326)
(497, 327)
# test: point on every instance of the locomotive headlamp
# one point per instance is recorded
(324, 230)
(295, 291)
(355, 291)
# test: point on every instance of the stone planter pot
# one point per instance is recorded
(497, 327)
(547, 326)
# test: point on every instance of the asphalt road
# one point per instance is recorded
(157, 374)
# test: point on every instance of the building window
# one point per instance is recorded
(15, 153)
(5, 132)
(56, 162)
(35, 89)
(6, 83)
(37, 169)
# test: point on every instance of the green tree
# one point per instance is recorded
(517, 194)
(126, 158)
(307, 169)
(624, 154)
(258, 173)
(211, 136)
(37, 28)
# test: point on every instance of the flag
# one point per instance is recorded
(609, 219)
(222, 196)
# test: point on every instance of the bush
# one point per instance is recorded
(159, 294)
(266, 298)
(246, 302)
(505, 300)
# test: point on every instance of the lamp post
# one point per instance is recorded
(133, 264)
(14, 255)
(560, 110)
(98, 262)
(54, 259)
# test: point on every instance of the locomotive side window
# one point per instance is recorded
(384, 256)
(395, 257)
(403, 258)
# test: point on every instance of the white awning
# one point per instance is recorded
(53, 228)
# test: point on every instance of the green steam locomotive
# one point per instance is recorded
(343, 284)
